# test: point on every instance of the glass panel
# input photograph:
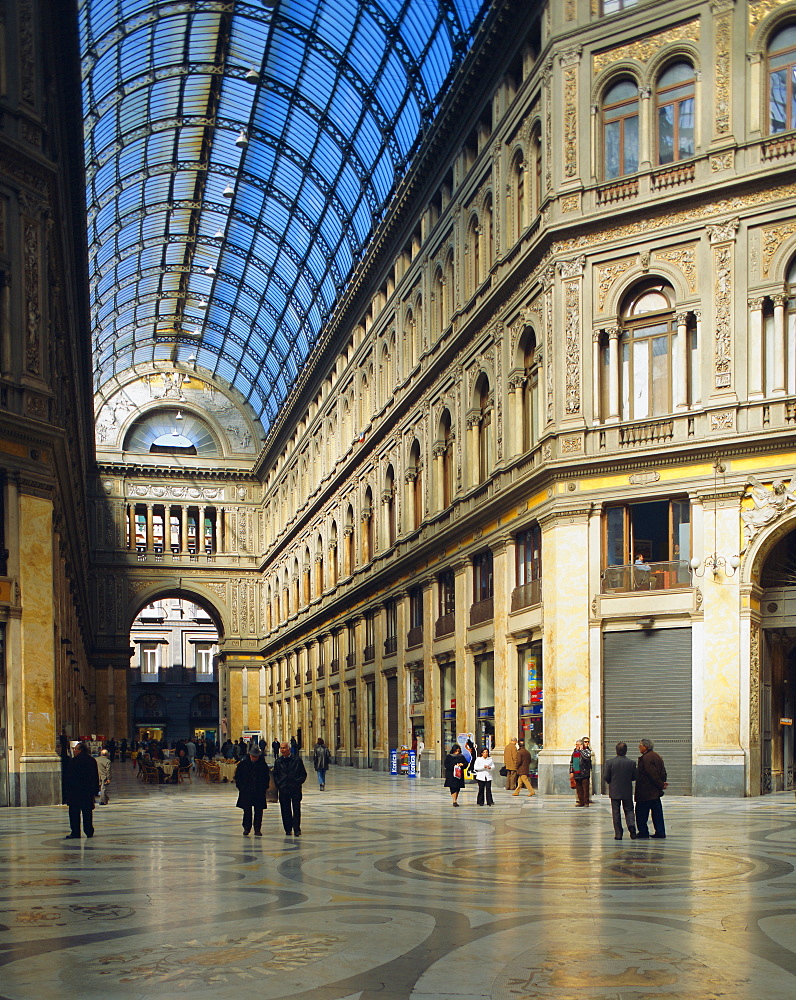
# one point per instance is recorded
(631, 145)
(685, 135)
(615, 554)
(666, 134)
(612, 149)
(641, 373)
(660, 375)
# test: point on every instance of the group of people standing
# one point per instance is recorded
(649, 775)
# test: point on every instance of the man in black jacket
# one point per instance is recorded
(619, 775)
(289, 775)
(82, 784)
(252, 777)
(650, 784)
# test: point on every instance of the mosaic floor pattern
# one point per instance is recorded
(392, 894)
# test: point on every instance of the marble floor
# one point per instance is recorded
(392, 894)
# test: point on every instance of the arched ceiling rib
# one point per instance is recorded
(235, 253)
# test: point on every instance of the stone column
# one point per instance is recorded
(348, 568)
(755, 348)
(565, 543)
(411, 514)
(150, 528)
(515, 409)
(681, 363)
(235, 701)
(438, 462)
(696, 388)
(645, 157)
(473, 437)
(218, 530)
(463, 589)
(200, 530)
(31, 678)
(365, 517)
(779, 345)
(613, 374)
(597, 416)
(131, 527)
(502, 567)
(184, 530)
(386, 497)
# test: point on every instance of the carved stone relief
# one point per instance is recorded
(772, 238)
(607, 274)
(643, 49)
(722, 237)
(759, 9)
(31, 230)
(684, 259)
(754, 684)
(569, 61)
(722, 33)
(722, 421)
(769, 503)
(721, 161)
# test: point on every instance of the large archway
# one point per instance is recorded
(173, 680)
(777, 663)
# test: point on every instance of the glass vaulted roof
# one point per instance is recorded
(239, 156)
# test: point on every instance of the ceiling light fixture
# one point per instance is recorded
(196, 332)
(252, 76)
(228, 191)
(219, 235)
(243, 140)
(210, 270)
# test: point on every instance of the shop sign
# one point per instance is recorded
(412, 760)
(393, 762)
(786, 722)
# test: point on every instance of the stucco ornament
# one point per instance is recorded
(770, 503)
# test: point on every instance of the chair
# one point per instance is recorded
(212, 772)
(150, 774)
(183, 774)
(201, 764)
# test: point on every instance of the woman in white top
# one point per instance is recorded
(483, 775)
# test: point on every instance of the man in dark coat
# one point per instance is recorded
(523, 771)
(650, 785)
(619, 775)
(252, 777)
(289, 775)
(81, 786)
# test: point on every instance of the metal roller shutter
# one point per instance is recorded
(392, 712)
(647, 693)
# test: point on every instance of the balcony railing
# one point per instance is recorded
(390, 645)
(445, 625)
(350, 659)
(526, 595)
(414, 637)
(335, 666)
(369, 654)
(482, 611)
(672, 575)
(320, 670)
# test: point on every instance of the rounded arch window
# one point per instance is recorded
(171, 432)
(646, 351)
(781, 82)
(675, 96)
(620, 129)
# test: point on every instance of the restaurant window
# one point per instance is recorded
(620, 130)
(782, 80)
(675, 103)
(647, 545)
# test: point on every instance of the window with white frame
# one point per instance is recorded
(203, 660)
(149, 660)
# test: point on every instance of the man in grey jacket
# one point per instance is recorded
(619, 775)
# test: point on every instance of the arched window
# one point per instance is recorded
(320, 582)
(367, 526)
(439, 302)
(269, 609)
(306, 579)
(445, 446)
(296, 585)
(675, 103)
(536, 155)
(474, 253)
(334, 562)
(620, 130)
(414, 486)
(389, 504)
(350, 550)
(484, 405)
(782, 80)
(518, 221)
(530, 390)
(489, 236)
(277, 601)
(395, 366)
(646, 343)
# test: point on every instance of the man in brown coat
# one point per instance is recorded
(524, 771)
(651, 781)
(510, 763)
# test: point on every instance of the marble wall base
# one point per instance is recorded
(726, 778)
(39, 781)
(553, 773)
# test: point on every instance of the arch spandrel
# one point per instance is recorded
(186, 590)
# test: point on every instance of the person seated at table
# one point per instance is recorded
(641, 569)
(182, 762)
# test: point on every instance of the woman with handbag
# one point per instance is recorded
(483, 775)
(454, 772)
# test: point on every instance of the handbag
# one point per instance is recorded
(458, 770)
(503, 772)
(572, 781)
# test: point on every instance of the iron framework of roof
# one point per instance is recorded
(238, 161)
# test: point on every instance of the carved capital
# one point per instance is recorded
(723, 232)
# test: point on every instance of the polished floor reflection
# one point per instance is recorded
(392, 894)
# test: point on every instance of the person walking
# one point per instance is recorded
(289, 775)
(580, 770)
(82, 785)
(510, 763)
(104, 771)
(252, 776)
(651, 782)
(619, 775)
(523, 771)
(190, 746)
(483, 768)
(321, 758)
(454, 772)
(275, 748)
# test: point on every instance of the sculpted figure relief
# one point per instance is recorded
(769, 503)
